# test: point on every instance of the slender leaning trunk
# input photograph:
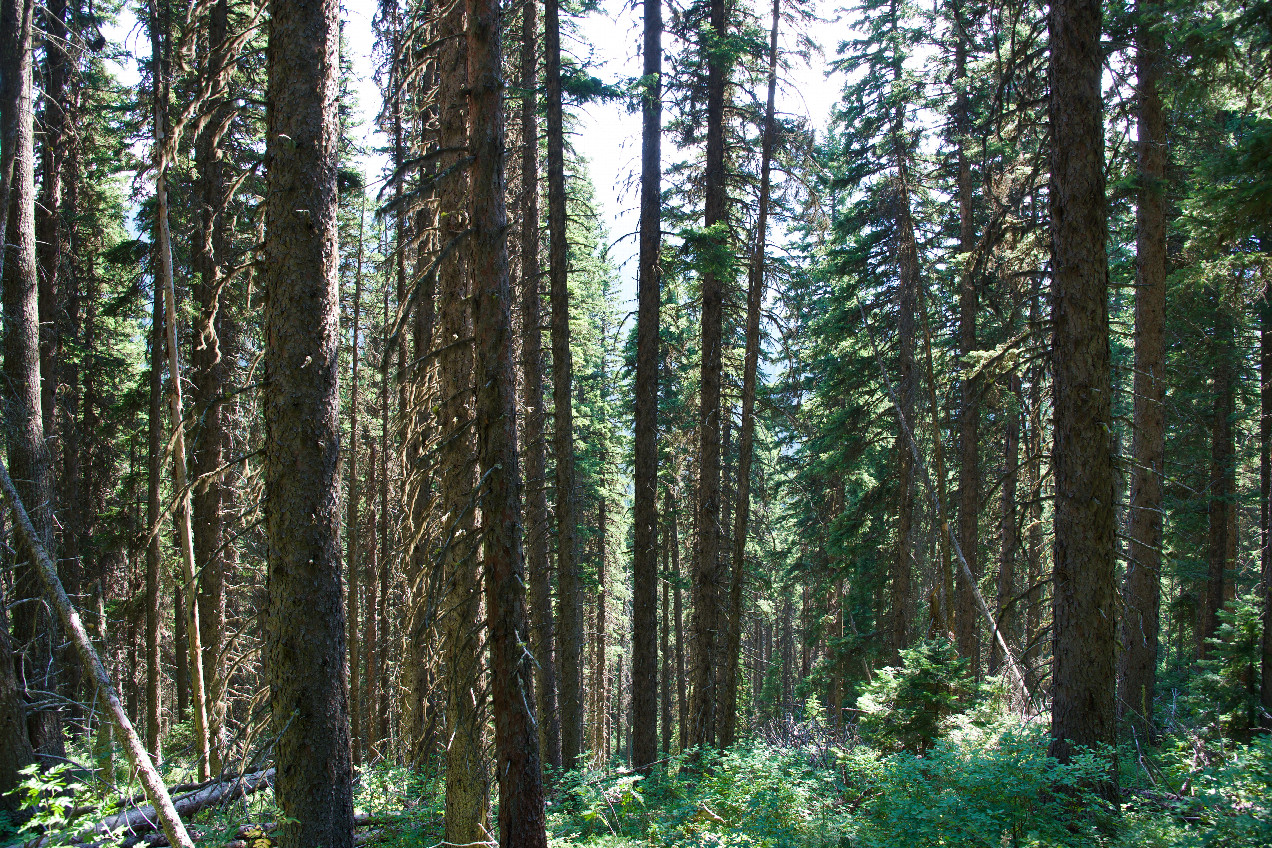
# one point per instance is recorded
(305, 620)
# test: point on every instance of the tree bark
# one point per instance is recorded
(521, 801)
(1137, 672)
(569, 581)
(707, 579)
(163, 279)
(750, 370)
(209, 373)
(154, 556)
(1265, 490)
(600, 706)
(305, 633)
(1006, 615)
(1085, 646)
(645, 463)
(466, 774)
(352, 521)
(969, 413)
(1220, 506)
(35, 629)
(682, 681)
(542, 623)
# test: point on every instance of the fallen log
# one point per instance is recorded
(139, 821)
(161, 802)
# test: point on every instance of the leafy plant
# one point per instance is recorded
(907, 708)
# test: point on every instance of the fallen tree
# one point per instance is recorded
(138, 821)
(161, 806)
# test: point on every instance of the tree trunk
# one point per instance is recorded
(705, 630)
(210, 375)
(352, 522)
(521, 802)
(48, 216)
(601, 703)
(154, 555)
(645, 463)
(682, 681)
(1137, 672)
(569, 581)
(371, 744)
(542, 623)
(1005, 617)
(466, 776)
(305, 634)
(163, 280)
(15, 752)
(1084, 607)
(1265, 490)
(35, 629)
(665, 670)
(750, 369)
(1220, 506)
(969, 413)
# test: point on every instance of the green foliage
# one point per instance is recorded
(1225, 691)
(908, 708)
(983, 788)
(55, 802)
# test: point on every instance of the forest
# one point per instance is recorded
(900, 479)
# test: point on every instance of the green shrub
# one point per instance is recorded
(908, 708)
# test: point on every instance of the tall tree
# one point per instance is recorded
(542, 625)
(569, 580)
(1137, 672)
(750, 371)
(1084, 613)
(706, 634)
(521, 803)
(645, 506)
(305, 622)
(35, 630)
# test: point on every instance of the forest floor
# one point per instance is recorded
(985, 782)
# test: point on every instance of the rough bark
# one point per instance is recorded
(1009, 536)
(35, 628)
(1265, 490)
(682, 681)
(466, 775)
(542, 634)
(163, 276)
(154, 556)
(1220, 509)
(305, 632)
(969, 413)
(353, 525)
(645, 463)
(705, 625)
(600, 702)
(521, 801)
(750, 371)
(15, 752)
(1085, 647)
(569, 581)
(1137, 670)
(210, 375)
(49, 231)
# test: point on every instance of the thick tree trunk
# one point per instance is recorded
(209, 374)
(645, 464)
(542, 624)
(569, 581)
(466, 773)
(48, 217)
(969, 413)
(705, 628)
(1085, 643)
(15, 746)
(1265, 491)
(750, 370)
(35, 629)
(521, 802)
(1137, 672)
(305, 634)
